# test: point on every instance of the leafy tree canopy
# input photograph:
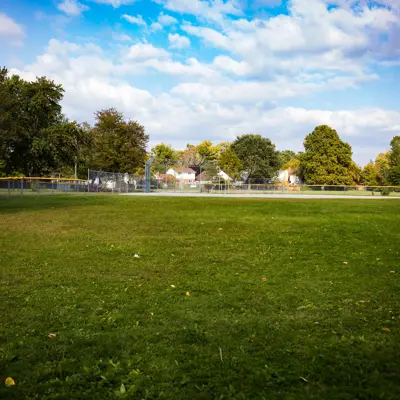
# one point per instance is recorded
(284, 157)
(394, 156)
(120, 146)
(164, 156)
(369, 175)
(258, 156)
(230, 163)
(327, 159)
(382, 163)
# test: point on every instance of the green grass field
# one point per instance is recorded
(289, 299)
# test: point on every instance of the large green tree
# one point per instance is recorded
(119, 145)
(394, 162)
(230, 163)
(382, 163)
(327, 159)
(369, 175)
(257, 155)
(164, 157)
(394, 155)
(28, 111)
(284, 157)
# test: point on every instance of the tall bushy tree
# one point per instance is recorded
(394, 155)
(258, 156)
(382, 163)
(284, 157)
(119, 145)
(164, 157)
(28, 111)
(394, 161)
(369, 175)
(230, 163)
(327, 159)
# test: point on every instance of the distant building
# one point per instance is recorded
(182, 174)
(287, 177)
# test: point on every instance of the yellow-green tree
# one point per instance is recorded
(327, 159)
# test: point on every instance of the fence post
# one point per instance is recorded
(52, 187)
(22, 187)
(8, 189)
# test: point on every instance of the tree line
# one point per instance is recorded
(37, 139)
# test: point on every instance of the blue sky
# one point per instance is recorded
(191, 70)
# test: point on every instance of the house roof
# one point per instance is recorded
(165, 176)
(204, 176)
(187, 170)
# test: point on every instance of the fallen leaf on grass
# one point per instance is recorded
(345, 262)
(136, 256)
(392, 272)
(263, 278)
(304, 379)
(386, 330)
(220, 229)
(173, 286)
(187, 294)
(51, 335)
(9, 382)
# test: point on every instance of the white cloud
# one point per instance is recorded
(259, 65)
(10, 30)
(156, 26)
(93, 81)
(177, 41)
(121, 37)
(213, 10)
(72, 7)
(211, 36)
(166, 20)
(142, 51)
(138, 20)
(115, 3)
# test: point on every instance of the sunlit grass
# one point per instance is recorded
(289, 299)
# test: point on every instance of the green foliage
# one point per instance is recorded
(29, 111)
(284, 157)
(206, 151)
(394, 156)
(257, 155)
(286, 292)
(164, 157)
(327, 159)
(394, 176)
(230, 163)
(382, 163)
(369, 175)
(190, 156)
(119, 145)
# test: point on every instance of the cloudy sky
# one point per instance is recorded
(191, 70)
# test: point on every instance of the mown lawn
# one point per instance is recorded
(289, 299)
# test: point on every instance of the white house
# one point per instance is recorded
(225, 176)
(286, 176)
(182, 174)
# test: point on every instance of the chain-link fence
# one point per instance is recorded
(177, 179)
(110, 182)
(20, 187)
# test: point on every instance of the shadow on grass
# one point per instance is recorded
(15, 205)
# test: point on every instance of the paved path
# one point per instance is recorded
(262, 196)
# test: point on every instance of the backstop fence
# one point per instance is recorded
(32, 186)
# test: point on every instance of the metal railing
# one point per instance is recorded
(106, 182)
(33, 186)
